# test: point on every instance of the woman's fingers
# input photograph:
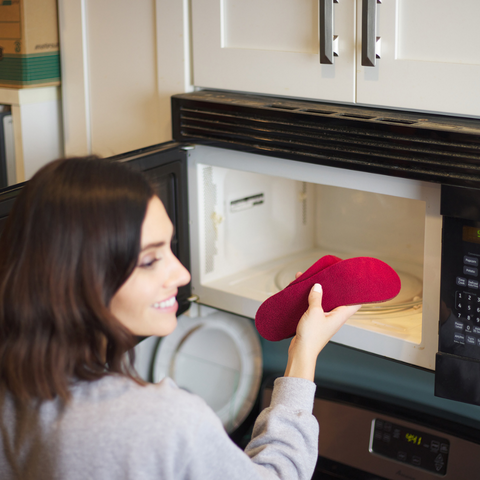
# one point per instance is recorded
(314, 330)
(316, 327)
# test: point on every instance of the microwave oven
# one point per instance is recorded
(259, 188)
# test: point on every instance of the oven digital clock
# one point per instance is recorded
(409, 446)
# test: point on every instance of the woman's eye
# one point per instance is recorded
(148, 263)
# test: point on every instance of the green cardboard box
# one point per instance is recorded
(29, 47)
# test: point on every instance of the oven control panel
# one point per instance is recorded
(409, 446)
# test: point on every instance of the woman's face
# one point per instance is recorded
(146, 302)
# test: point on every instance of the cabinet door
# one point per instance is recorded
(430, 57)
(119, 70)
(272, 47)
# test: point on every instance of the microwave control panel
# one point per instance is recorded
(459, 331)
(457, 362)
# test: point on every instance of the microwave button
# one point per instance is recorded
(471, 261)
(468, 329)
(459, 338)
(470, 271)
(462, 282)
(470, 297)
(476, 330)
(459, 325)
(471, 340)
(473, 284)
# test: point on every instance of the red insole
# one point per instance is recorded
(353, 281)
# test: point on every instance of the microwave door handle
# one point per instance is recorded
(370, 42)
(328, 41)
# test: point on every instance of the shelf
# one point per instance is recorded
(37, 126)
(23, 96)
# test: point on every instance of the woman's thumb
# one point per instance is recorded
(315, 296)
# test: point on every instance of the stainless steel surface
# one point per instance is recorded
(328, 41)
(370, 40)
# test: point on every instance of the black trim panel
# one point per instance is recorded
(425, 147)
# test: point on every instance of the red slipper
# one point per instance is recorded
(354, 281)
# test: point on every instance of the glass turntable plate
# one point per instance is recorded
(410, 296)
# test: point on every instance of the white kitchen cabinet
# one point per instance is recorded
(272, 46)
(121, 62)
(430, 55)
(119, 70)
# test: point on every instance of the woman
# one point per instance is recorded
(85, 266)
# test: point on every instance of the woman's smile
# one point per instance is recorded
(170, 302)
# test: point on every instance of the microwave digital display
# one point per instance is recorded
(471, 234)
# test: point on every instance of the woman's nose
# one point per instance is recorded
(179, 275)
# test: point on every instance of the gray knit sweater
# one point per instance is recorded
(114, 429)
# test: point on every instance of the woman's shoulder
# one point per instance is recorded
(119, 390)
(119, 400)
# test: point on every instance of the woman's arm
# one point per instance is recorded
(284, 441)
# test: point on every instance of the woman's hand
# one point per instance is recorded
(314, 330)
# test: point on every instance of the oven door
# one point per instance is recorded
(364, 438)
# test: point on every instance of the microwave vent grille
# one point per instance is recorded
(421, 146)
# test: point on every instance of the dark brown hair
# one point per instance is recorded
(70, 242)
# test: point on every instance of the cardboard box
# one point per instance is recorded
(29, 49)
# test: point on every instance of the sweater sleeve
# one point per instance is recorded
(284, 442)
(285, 435)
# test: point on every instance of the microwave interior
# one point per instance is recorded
(259, 221)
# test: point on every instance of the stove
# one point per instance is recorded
(364, 438)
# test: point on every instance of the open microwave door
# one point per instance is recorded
(165, 165)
